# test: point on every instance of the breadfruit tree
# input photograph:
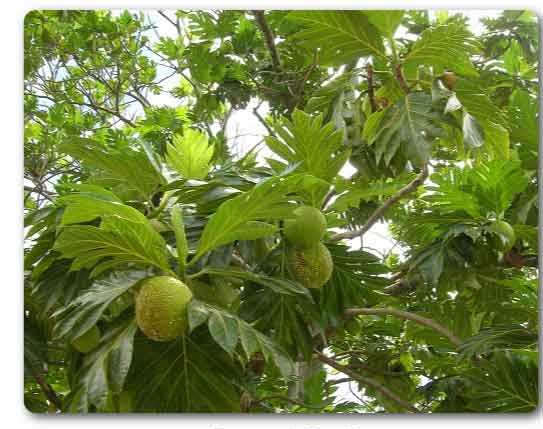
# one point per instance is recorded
(169, 268)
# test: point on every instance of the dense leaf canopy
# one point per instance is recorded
(400, 119)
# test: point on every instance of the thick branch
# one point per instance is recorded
(376, 215)
(430, 323)
(368, 382)
(269, 38)
(47, 390)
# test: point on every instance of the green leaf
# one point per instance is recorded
(223, 329)
(180, 238)
(85, 310)
(476, 101)
(276, 284)
(386, 21)
(192, 374)
(240, 218)
(116, 243)
(405, 125)
(228, 330)
(507, 383)
(498, 338)
(84, 207)
(297, 139)
(104, 370)
(343, 36)
(123, 167)
(497, 139)
(448, 46)
(190, 155)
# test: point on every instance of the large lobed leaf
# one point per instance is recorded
(85, 310)
(126, 167)
(343, 36)
(506, 383)
(191, 374)
(116, 243)
(104, 370)
(228, 330)
(190, 155)
(405, 126)
(242, 217)
(447, 46)
(124, 236)
(307, 140)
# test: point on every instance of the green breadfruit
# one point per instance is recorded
(161, 308)
(219, 293)
(306, 228)
(505, 232)
(310, 267)
(88, 341)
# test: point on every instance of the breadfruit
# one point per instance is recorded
(505, 232)
(219, 293)
(307, 227)
(161, 308)
(88, 341)
(311, 267)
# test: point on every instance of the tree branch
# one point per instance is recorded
(269, 38)
(398, 74)
(47, 390)
(411, 187)
(387, 311)
(367, 381)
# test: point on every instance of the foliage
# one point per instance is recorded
(133, 170)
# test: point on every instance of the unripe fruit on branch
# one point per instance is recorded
(506, 233)
(307, 227)
(161, 308)
(311, 267)
(88, 341)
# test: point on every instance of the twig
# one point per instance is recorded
(411, 187)
(367, 381)
(167, 18)
(387, 311)
(262, 121)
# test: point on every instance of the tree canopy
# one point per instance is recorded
(401, 118)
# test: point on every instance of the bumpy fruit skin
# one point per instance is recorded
(307, 227)
(88, 341)
(161, 308)
(310, 267)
